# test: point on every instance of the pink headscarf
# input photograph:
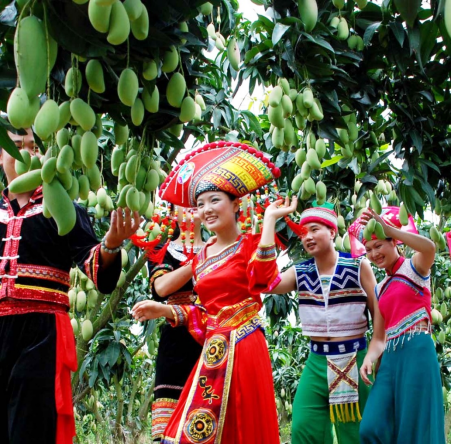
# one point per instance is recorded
(390, 215)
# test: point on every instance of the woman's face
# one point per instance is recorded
(216, 210)
(317, 238)
(382, 253)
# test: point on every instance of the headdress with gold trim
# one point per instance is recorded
(235, 168)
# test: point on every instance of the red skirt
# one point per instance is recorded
(251, 410)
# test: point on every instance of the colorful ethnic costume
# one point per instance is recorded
(229, 396)
(178, 350)
(405, 404)
(37, 347)
(330, 390)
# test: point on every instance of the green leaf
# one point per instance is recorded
(398, 31)
(327, 130)
(408, 9)
(370, 31)
(430, 165)
(332, 161)
(278, 32)
(319, 41)
(417, 140)
(112, 353)
(429, 34)
(8, 145)
(216, 117)
(267, 23)
(253, 122)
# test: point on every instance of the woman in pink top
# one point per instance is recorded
(405, 404)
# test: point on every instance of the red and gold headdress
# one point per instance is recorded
(390, 215)
(234, 168)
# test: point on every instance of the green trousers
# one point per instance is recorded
(405, 405)
(311, 422)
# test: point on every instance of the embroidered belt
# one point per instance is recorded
(204, 413)
(233, 315)
(336, 348)
(182, 298)
(14, 300)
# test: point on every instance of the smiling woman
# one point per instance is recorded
(229, 396)
(405, 404)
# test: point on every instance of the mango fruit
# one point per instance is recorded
(175, 90)
(87, 330)
(94, 74)
(187, 110)
(128, 87)
(47, 119)
(73, 82)
(151, 100)
(16, 108)
(30, 55)
(26, 182)
(119, 28)
(233, 54)
(308, 13)
(99, 16)
(140, 26)
(60, 206)
(170, 59)
(150, 70)
(137, 112)
(121, 133)
(83, 114)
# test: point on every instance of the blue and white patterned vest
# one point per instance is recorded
(339, 312)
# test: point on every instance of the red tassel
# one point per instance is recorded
(190, 257)
(299, 230)
(279, 243)
(156, 257)
(145, 245)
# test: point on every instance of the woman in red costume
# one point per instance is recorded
(229, 396)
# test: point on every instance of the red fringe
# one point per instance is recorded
(157, 257)
(190, 257)
(299, 230)
(279, 243)
(145, 245)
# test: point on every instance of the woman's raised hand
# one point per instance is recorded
(280, 208)
(371, 214)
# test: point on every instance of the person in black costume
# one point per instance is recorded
(37, 347)
(178, 351)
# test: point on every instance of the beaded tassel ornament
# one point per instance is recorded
(167, 227)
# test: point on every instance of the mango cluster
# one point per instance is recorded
(288, 106)
(310, 159)
(340, 23)
(83, 297)
(117, 19)
(138, 177)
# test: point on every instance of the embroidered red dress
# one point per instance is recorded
(229, 396)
